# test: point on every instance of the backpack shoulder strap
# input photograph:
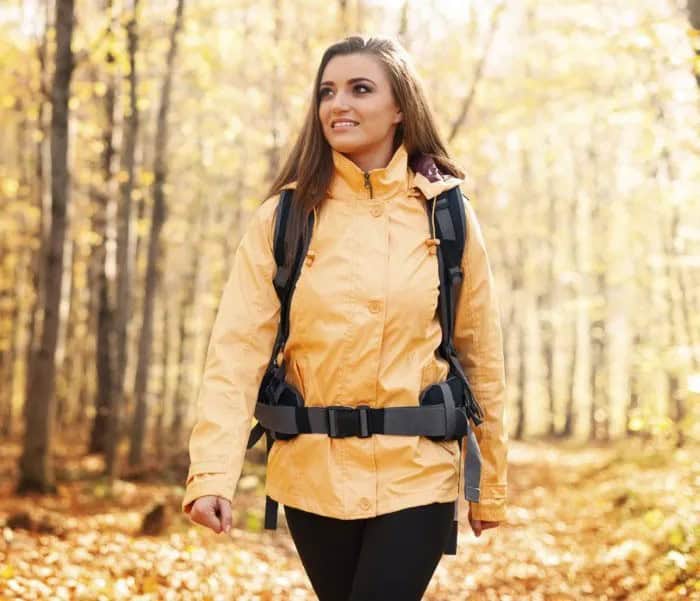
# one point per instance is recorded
(451, 229)
(282, 278)
(284, 281)
(285, 276)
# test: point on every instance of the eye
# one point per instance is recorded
(360, 88)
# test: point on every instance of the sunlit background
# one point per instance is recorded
(577, 125)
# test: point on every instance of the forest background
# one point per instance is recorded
(136, 139)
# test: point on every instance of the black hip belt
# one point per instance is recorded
(442, 415)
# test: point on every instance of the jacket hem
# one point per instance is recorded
(306, 504)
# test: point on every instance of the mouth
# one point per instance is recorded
(343, 124)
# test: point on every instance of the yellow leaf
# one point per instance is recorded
(7, 571)
(149, 585)
(636, 424)
(10, 186)
(653, 518)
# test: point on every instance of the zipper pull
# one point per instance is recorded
(432, 244)
(368, 184)
(310, 256)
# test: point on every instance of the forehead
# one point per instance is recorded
(349, 66)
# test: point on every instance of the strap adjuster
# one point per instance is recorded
(344, 421)
(456, 275)
(363, 412)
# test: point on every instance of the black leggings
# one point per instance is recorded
(390, 557)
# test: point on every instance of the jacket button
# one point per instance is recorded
(376, 211)
(364, 503)
(375, 306)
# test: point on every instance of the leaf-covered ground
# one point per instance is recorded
(584, 523)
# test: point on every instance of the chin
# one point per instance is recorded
(346, 146)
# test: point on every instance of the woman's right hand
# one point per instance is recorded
(213, 512)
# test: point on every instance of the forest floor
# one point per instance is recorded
(604, 523)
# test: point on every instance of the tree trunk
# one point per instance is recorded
(548, 308)
(158, 218)
(582, 389)
(125, 250)
(162, 444)
(521, 314)
(276, 103)
(105, 351)
(478, 72)
(619, 293)
(43, 200)
(36, 467)
(186, 339)
(574, 292)
(694, 18)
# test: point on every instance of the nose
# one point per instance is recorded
(339, 103)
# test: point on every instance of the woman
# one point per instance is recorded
(368, 515)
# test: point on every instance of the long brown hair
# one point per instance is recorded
(310, 162)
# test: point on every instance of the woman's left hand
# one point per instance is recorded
(479, 525)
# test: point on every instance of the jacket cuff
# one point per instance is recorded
(490, 513)
(220, 485)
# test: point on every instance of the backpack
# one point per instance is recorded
(445, 407)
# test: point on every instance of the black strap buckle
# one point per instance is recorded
(456, 275)
(344, 421)
(363, 412)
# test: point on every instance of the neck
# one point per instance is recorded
(352, 181)
(373, 158)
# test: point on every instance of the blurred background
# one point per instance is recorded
(136, 139)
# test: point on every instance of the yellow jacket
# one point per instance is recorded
(363, 330)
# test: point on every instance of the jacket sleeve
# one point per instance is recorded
(479, 345)
(238, 352)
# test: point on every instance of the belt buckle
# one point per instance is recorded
(333, 410)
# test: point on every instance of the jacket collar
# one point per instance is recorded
(400, 176)
(349, 181)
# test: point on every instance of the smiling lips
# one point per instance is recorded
(343, 124)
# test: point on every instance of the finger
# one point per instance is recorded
(206, 516)
(476, 527)
(215, 518)
(225, 513)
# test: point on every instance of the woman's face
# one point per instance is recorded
(355, 88)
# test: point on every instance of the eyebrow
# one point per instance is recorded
(353, 80)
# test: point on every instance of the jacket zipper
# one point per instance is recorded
(368, 184)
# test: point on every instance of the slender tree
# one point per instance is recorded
(694, 18)
(157, 220)
(36, 466)
(105, 311)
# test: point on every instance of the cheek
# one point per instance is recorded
(380, 111)
(322, 114)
